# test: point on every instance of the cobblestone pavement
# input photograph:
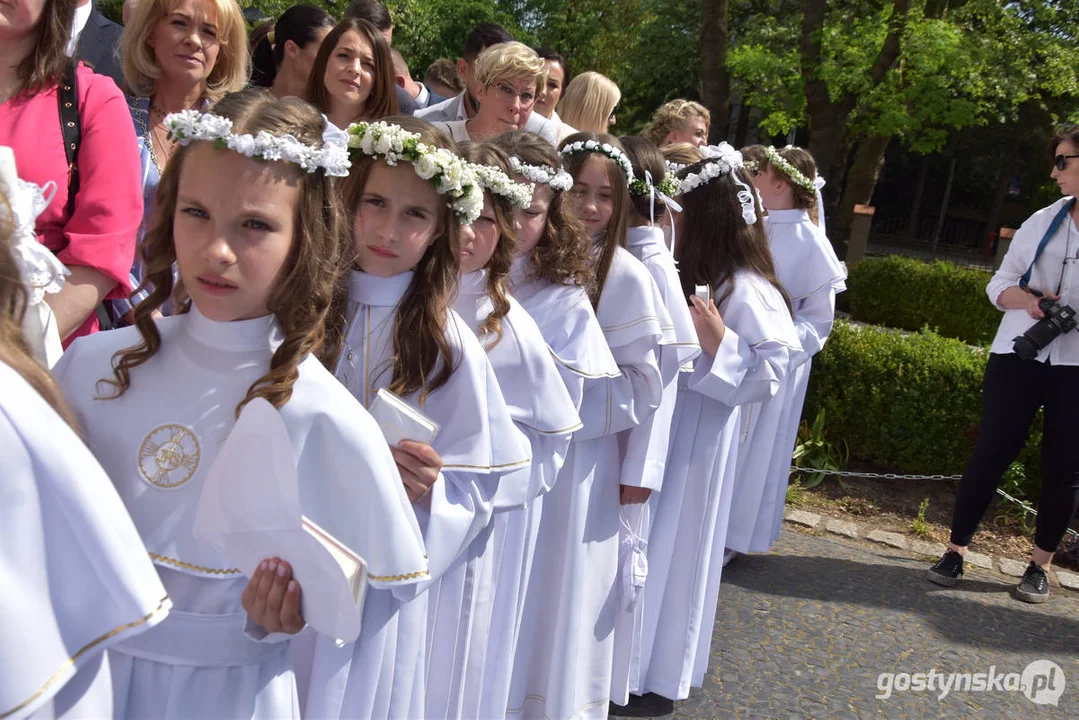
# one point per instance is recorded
(804, 631)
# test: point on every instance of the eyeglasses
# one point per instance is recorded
(1061, 161)
(506, 94)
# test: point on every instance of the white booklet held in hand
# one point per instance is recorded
(249, 510)
(400, 421)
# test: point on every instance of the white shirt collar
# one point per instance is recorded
(423, 94)
(82, 16)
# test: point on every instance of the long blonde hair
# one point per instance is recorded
(302, 297)
(588, 102)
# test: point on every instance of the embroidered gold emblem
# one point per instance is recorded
(169, 456)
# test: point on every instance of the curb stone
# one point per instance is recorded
(846, 528)
(801, 517)
(888, 538)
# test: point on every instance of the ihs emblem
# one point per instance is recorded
(169, 456)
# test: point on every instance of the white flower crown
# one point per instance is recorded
(448, 174)
(559, 180)
(494, 180)
(673, 167)
(720, 160)
(189, 125)
(668, 186)
(603, 149)
(792, 173)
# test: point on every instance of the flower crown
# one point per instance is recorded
(673, 167)
(189, 125)
(792, 173)
(448, 174)
(603, 149)
(718, 161)
(494, 180)
(559, 180)
(668, 186)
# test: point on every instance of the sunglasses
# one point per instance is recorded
(1061, 161)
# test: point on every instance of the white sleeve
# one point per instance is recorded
(813, 319)
(614, 404)
(1016, 260)
(461, 507)
(741, 373)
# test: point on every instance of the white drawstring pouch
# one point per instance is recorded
(632, 552)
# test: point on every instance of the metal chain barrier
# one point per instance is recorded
(896, 476)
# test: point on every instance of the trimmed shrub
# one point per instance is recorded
(911, 294)
(911, 402)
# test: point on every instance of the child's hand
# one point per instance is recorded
(631, 495)
(272, 598)
(709, 324)
(419, 465)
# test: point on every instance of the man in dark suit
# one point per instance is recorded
(420, 94)
(98, 42)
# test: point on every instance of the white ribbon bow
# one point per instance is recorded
(635, 561)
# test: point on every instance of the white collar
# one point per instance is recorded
(241, 335)
(78, 23)
(378, 291)
(793, 215)
(422, 95)
(472, 283)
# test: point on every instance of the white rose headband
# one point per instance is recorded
(720, 160)
(187, 126)
(607, 149)
(792, 173)
(494, 180)
(448, 174)
(558, 180)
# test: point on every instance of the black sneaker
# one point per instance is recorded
(947, 570)
(1034, 587)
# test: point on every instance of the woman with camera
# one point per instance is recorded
(1033, 363)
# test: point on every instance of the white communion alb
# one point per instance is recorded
(158, 440)
(807, 266)
(77, 579)
(685, 550)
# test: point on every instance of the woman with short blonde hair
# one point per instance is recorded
(509, 77)
(589, 101)
(679, 121)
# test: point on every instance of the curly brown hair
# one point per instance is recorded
(615, 235)
(423, 359)
(14, 349)
(563, 255)
(498, 267)
(715, 241)
(303, 294)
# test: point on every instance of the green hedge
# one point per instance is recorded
(906, 401)
(911, 294)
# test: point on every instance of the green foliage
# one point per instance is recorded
(796, 494)
(1017, 484)
(908, 402)
(815, 450)
(919, 524)
(910, 294)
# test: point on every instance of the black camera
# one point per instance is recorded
(1058, 319)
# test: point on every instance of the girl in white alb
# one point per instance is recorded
(406, 193)
(77, 579)
(644, 448)
(747, 339)
(548, 277)
(810, 272)
(542, 409)
(256, 243)
(565, 655)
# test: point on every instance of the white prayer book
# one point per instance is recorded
(249, 510)
(400, 421)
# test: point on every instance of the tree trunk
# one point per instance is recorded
(715, 82)
(828, 119)
(916, 203)
(862, 178)
(742, 129)
(992, 226)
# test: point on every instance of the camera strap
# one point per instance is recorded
(1053, 227)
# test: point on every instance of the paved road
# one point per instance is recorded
(805, 630)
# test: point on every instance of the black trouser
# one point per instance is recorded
(1012, 392)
